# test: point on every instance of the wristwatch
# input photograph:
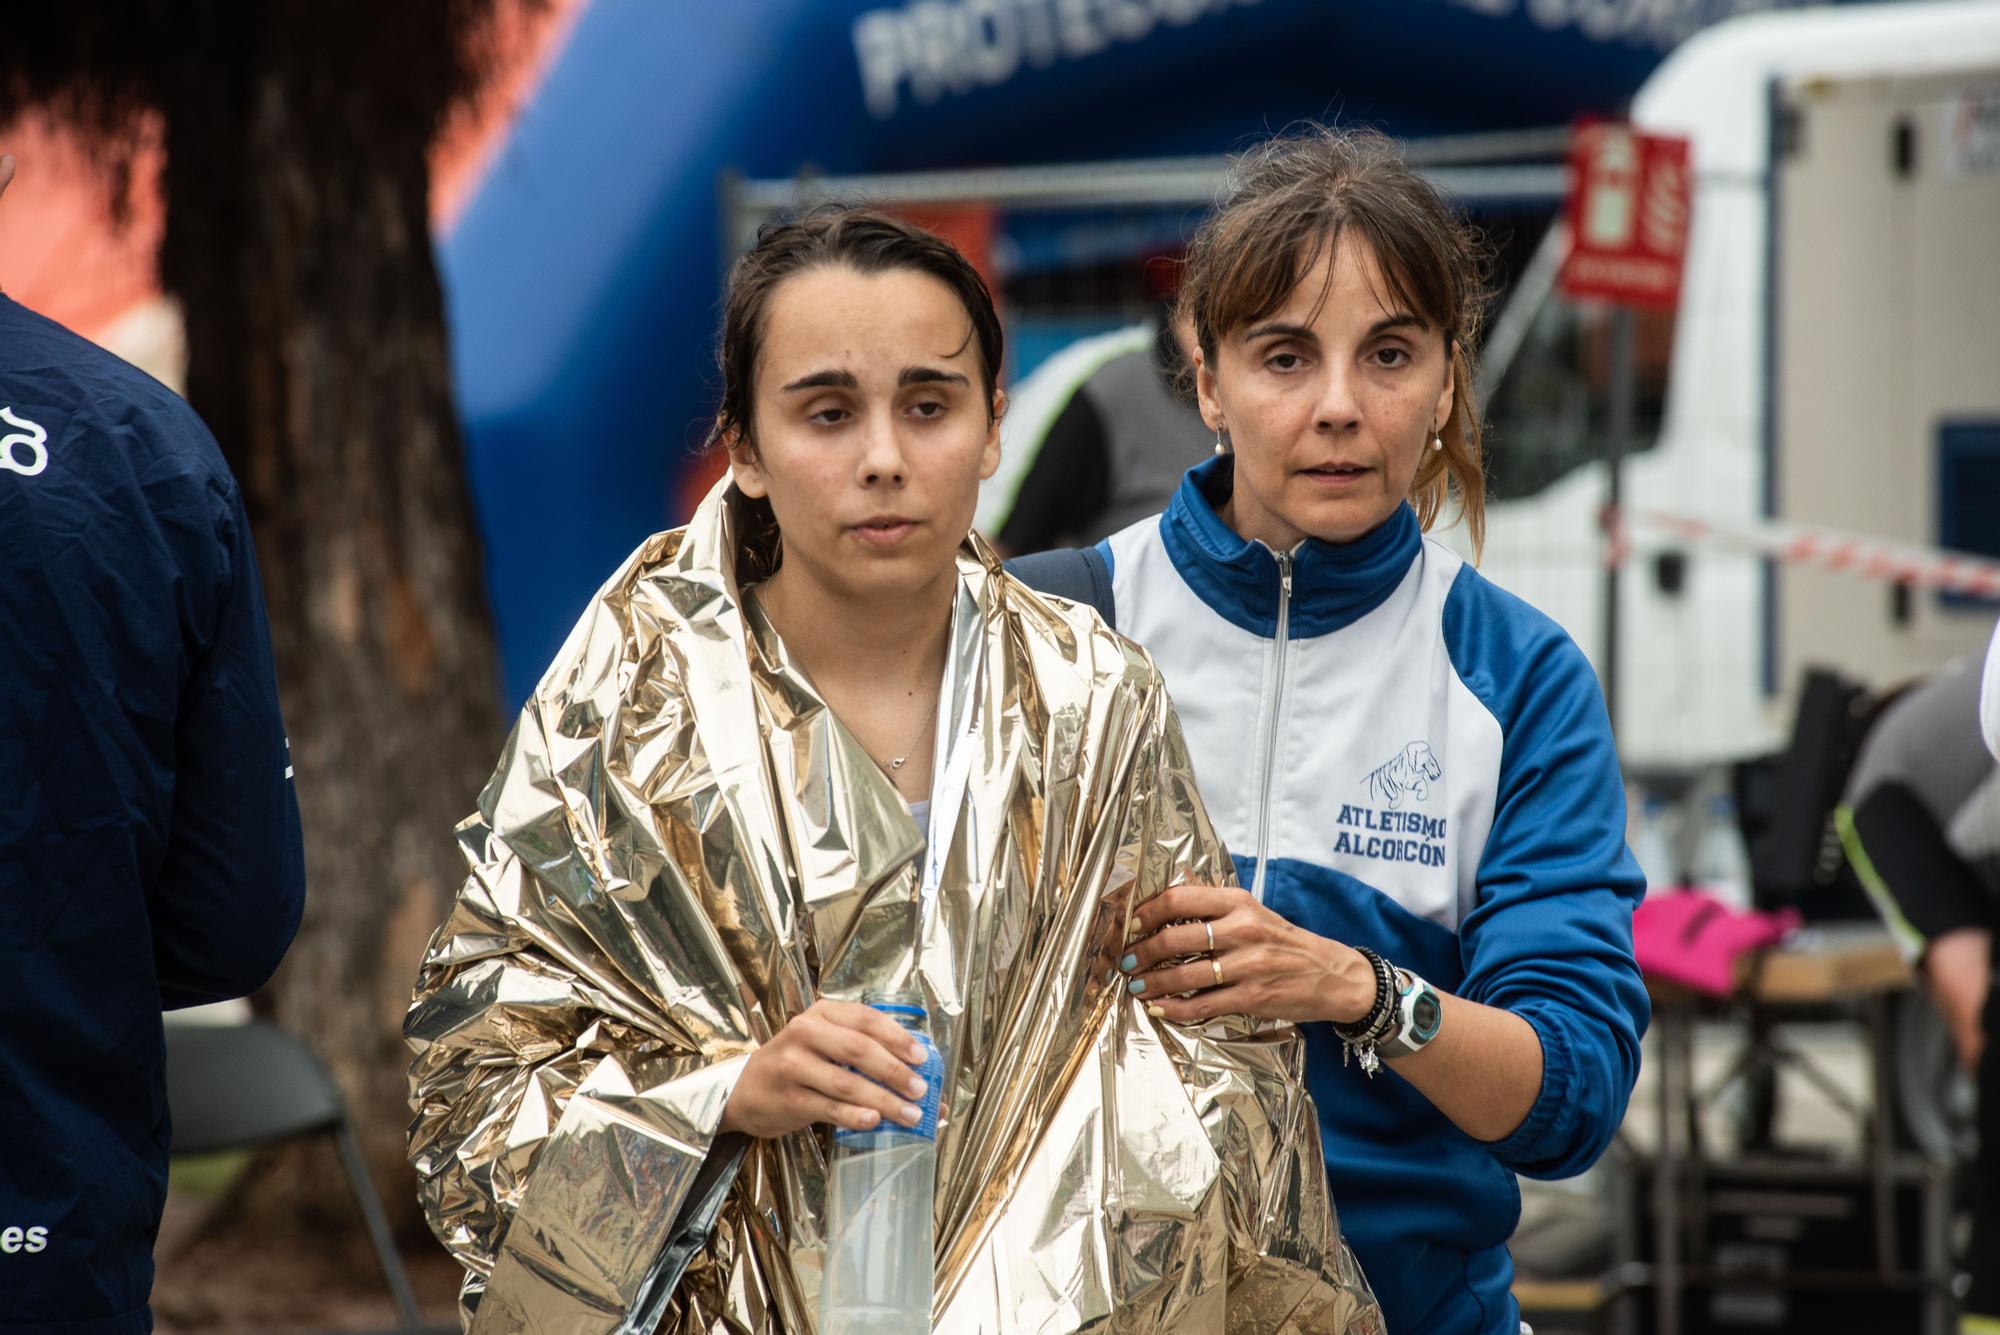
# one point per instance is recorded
(1419, 1013)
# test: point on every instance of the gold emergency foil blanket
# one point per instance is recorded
(682, 848)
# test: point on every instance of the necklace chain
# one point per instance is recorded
(895, 762)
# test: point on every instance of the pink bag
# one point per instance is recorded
(1694, 939)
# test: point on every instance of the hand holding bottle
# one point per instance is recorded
(835, 1062)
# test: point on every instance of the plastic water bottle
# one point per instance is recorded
(880, 1255)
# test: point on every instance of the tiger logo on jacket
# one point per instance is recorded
(1414, 770)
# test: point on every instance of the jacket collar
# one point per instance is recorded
(1333, 583)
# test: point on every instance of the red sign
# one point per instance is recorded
(1628, 215)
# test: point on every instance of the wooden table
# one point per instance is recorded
(1820, 965)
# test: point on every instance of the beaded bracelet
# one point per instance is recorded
(1365, 1033)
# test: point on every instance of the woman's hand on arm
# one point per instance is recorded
(835, 1062)
(1271, 968)
(1483, 1070)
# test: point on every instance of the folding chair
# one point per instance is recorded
(235, 1086)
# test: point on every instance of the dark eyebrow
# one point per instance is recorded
(1280, 328)
(930, 375)
(825, 380)
(912, 375)
(1401, 320)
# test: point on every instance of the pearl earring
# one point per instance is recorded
(1437, 442)
(1220, 448)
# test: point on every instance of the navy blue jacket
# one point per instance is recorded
(149, 835)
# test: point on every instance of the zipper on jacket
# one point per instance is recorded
(1271, 726)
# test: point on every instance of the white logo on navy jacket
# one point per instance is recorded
(1400, 755)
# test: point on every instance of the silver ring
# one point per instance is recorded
(1216, 965)
(1209, 927)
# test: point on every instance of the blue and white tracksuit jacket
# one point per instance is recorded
(1402, 756)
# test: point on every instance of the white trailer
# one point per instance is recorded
(1834, 362)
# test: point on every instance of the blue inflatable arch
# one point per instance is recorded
(582, 278)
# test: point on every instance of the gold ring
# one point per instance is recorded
(1216, 965)
(1209, 927)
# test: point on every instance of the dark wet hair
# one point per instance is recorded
(835, 236)
(1288, 201)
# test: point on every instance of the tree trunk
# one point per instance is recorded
(298, 242)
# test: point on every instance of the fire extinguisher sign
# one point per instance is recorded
(1629, 200)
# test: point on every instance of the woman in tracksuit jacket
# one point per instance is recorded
(1402, 758)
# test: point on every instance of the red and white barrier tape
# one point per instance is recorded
(1871, 558)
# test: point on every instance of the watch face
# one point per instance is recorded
(1425, 1014)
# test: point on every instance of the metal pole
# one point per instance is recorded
(1527, 299)
(1877, 1011)
(1618, 442)
(377, 1223)
(1675, 1021)
(1191, 182)
(734, 217)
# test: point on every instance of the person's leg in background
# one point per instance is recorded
(1982, 1304)
(1944, 915)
